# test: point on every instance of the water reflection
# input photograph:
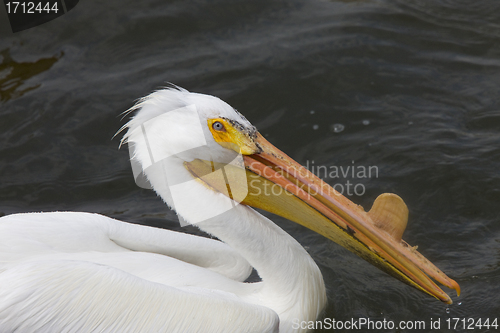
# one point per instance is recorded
(13, 74)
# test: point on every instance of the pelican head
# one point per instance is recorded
(194, 136)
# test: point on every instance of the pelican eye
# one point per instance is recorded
(218, 126)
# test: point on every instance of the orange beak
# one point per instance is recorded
(307, 200)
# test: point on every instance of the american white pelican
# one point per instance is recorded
(81, 272)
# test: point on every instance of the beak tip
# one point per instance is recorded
(457, 288)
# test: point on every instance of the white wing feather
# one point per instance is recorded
(23, 236)
(79, 296)
(57, 270)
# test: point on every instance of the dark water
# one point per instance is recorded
(410, 87)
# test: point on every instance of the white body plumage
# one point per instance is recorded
(80, 272)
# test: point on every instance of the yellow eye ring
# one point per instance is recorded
(232, 137)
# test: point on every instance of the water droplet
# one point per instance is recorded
(366, 122)
(312, 112)
(459, 303)
(337, 128)
(447, 310)
(315, 127)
